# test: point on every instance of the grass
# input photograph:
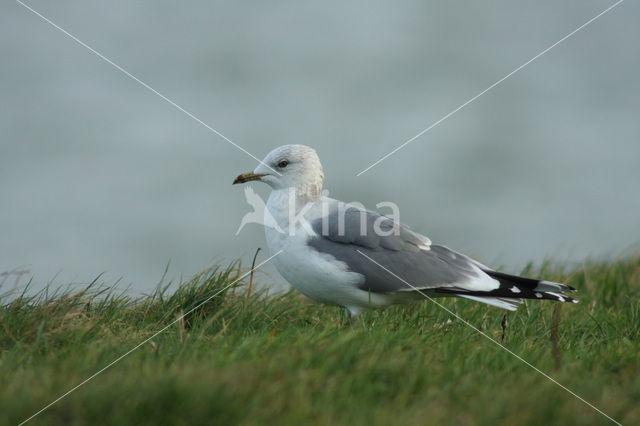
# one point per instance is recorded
(283, 359)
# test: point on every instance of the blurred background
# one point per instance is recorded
(98, 174)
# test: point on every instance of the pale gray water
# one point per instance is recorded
(99, 174)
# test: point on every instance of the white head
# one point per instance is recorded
(289, 166)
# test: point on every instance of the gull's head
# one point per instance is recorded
(289, 166)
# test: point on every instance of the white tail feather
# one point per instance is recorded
(511, 304)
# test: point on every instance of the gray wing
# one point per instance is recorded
(403, 252)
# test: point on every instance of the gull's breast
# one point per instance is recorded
(320, 276)
(317, 275)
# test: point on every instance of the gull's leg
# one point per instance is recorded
(348, 316)
(351, 312)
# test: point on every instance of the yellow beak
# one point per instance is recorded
(247, 177)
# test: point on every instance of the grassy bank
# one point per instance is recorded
(284, 359)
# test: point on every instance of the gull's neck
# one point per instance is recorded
(286, 203)
(302, 193)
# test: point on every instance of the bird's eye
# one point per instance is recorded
(282, 164)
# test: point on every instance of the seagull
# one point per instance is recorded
(342, 254)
